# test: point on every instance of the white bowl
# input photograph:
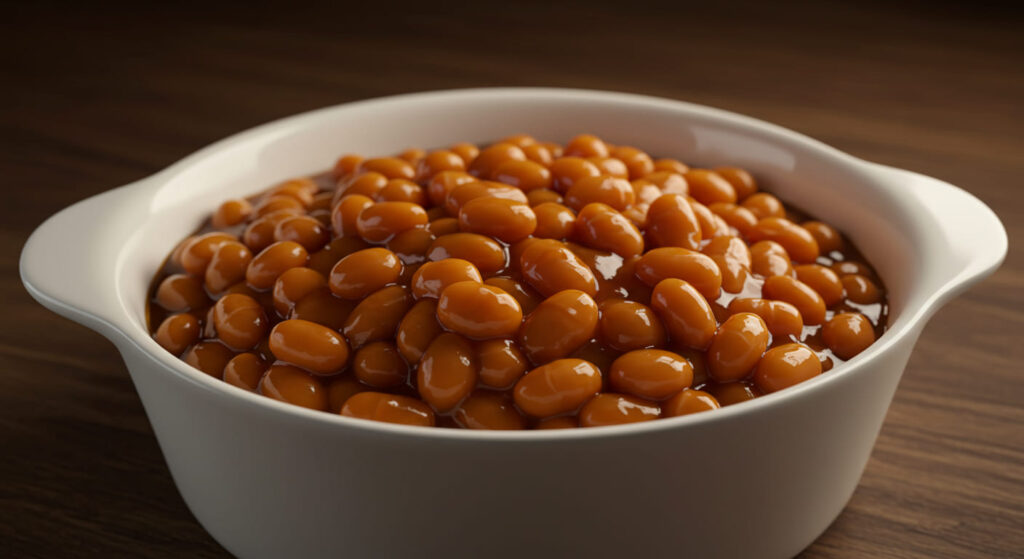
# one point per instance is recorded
(761, 479)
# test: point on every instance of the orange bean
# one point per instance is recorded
(506, 220)
(861, 290)
(733, 392)
(697, 269)
(382, 221)
(402, 190)
(685, 313)
(340, 389)
(602, 227)
(467, 151)
(654, 374)
(617, 409)
(208, 356)
(240, 321)
(388, 408)
(709, 187)
(483, 252)
(769, 258)
(541, 196)
(502, 363)
(364, 272)
(478, 311)
(783, 319)
(290, 384)
(610, 166)
(670, 165)
(784, 366)
(550, 267)
(637, 162)
(558, 326)
(439, 161)
(489, 410)
(432, 277)
(628, 325)
(823, 280)
(737, 347)
(565, 171)
(827, 237)
(847, 334)
(273, 204)
(309, 345)
(528, 298)
(689, 401)
(271, 262)
(797, 293)
(179, 292)
(742, 182)
(733, 259)
(764, 205)
(196, 254)
(417, 329)
(321, 307)
(672, 223)
(559, 387)
(244, 371)
(231, 213)
(447, 372)
(346, 165)
(554, 221)
(293, 285)
(380, 365)
(586, 145)
(412, 245)
(491, 157)
(443, 183)
(738, 217)
(539, 154)
(377, 317)
(524, 175)
(800, 245)
(390, 167)
(177, 332)
(617, 193)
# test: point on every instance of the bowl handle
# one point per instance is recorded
(974, 239)
(68, 262)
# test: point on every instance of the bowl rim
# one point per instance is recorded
(908, 321)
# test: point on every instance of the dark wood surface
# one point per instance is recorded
(91, 98)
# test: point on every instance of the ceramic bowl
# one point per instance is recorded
(759, 479)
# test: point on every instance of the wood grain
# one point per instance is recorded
(96, 97)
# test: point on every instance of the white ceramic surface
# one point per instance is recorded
(761, 479)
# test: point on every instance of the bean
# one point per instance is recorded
(483, 252)
(637, 162)
(227, 267)
(558, 326)
(506, 220)
(628, 325)
(737, 347)
(292, 385)
(478, 311)
(527, 298)
(244, 371)
(709, 187)
(273, 204)
(231, 213)
(769, 258)
(346, 165)
(524, 175)
(177, 332)
(861, 290)
(732, 256)
(322, 307)
(447, 372)
(539, 154)
(502, 363)
(738, 217)
(554, 221)
(559, 387)
(784, 366)
(309, 345)
(364, 272)
(697, 269)
(402, 190)
(208, 356)
(432, 277)
(653, 374)
(672, 223)
(380, 365)
(742, 182)
(489, 410)
(827, 237)
(586, 145)
(382, 221)
(617, 193)
(491, 157)
(847, 334)
(689, 401)
(671, 165)
(799, 244)
(443, 183)
(823, 280)
(377, 317)
(550, 267)
(417, 329)
(467, 151)
(565, 171)
(617, 409)
(685, 313)
(388, 408)
(240, 321)
(797, 293)
(782, 319)
(196, 254)
(179, 292)
(543, 195)
(412, 245)
(443, 226)
(764, 205)
(602, 227)
(259, 234)
(390, 167)
(611, 167)
(340, 389)
(438, 162)
(271, 262)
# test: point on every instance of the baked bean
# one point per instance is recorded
(478, 311)
(601, 227)
(383, 220)
(849, 267)
(231, 213)
(321, 307)
(286, 383)
(483, 252)
(827, 237)
(506, 220)
(689, 401)
(240, 321)
(443, 183)
(208, 356)
(638, 163)
(558, 326)
(742, 182)
(227, 267)
(799, 244)
(782, 319)
(667, 182)
(733, 392)
(439, 161)
(362, 273)
(402, 190)
(340, 389)
(542, 196)
(364, 184)
(413, 155)
(196, 254)
(527, 298)
(768, 258)
(432, 277)
(443, 226)
(684, 312)
(670, 165)
(611, 167)
(524, 175)
(447, 372)
(566, 171)
(244, 371)
(179, 292)
(492, 157)
(764, 205)
(390, 167)
(823, 280)
(550, 267)
(847, 334)
(672, 223)
(737, 347)
(278, 204)
(628, 325)
(521, 140)
(377, 317)
(302, 229)
(586, 145)
(614, 192)
(412, 245)
(309, 345)
(388, 408)
(861, 290)
(554, 221)
(273, 261)
(738, 217)
(709, 187)
(637, 214)
(644, 192)
(464, 193)
(346, 165)
(293, 285)
(380, 365)
(617, 409)
(559, 422)
(558, 387)
(654, 374)
(699, 270)
(466, 151)
(502, 363)
(733, 259)
(784, 366)
(177, 332)
(302, 189)
(489, 410)
(417, 329)
(323, 261)
(797, 293)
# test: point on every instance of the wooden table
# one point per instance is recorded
(92, 100)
